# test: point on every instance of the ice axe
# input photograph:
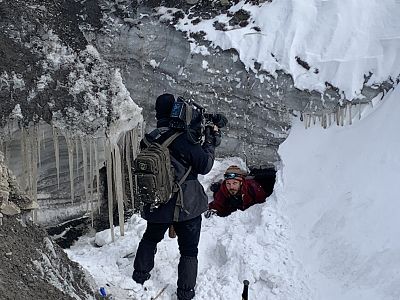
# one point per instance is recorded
(245, 293)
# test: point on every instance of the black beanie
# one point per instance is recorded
(164, 105)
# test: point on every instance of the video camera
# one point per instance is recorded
(186, 114)
(191, 116)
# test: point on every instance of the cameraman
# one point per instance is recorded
(185, 216)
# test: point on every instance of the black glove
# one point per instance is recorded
(212, 137)
(217, 138)
(217, 119)
(214, 187)
(209, 213)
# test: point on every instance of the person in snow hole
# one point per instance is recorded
(238, 191)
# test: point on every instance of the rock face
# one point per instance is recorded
(60, 102)
(32, 267)
(154, 58)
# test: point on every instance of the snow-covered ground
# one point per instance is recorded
(329, 231)
(250, 245)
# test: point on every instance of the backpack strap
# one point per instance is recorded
(179, 199)
(146, 141)
(178, 186)
(155, 134)
(169, 140)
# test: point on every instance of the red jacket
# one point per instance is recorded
(224, 203)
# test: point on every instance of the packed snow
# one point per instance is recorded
(250, 245)
(340, 191)
(339, 41)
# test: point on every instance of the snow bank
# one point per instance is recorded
(335, 41)
(341, 189)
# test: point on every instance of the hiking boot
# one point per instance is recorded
(187, 274)
(185, 294)
(140, 277)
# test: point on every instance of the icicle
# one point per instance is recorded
(337, 116)
(77, 157)
(57, 154)
(34, 162)
(24, 160)
(35, 159)
(350, 115)
(39, 142)
(359, 110)
(70, 147)
(5, 152)
(96, 159)
(305, 120)
(43, 138)
(128, 150)
(28, 180)
(29, 154)
(326, 119)
(342, 115)
(123, 158)
(134, 140)
(85, 173)
(141, 129)
(135, 149)
(329, 120)
(118, 187)
(91, 177)
(110, 187)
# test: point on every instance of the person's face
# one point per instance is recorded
(233, 186)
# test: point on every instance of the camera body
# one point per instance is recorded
(189, 114)
(191, 117)
(185, 113)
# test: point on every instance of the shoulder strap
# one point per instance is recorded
(146, 141)
(179, 200)
(169, 140)
(157, 133)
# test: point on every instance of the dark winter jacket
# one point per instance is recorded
(224, 203)
(184, 154)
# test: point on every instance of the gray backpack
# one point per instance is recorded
(154, 176)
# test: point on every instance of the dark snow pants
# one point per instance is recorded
(188, 233)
